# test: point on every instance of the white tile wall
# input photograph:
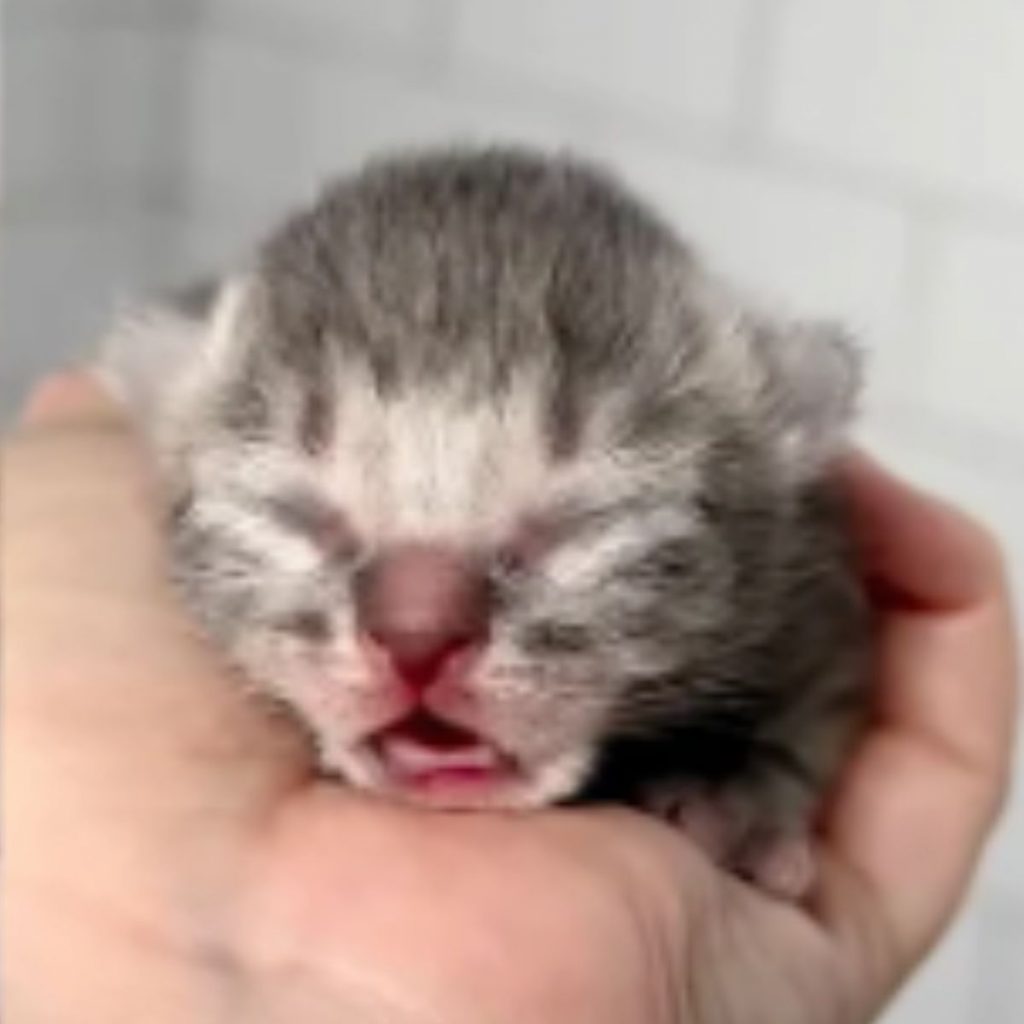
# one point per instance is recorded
(653, 54)
(374, 113)
(930, 88)
(977, 325)
(861, 159)
(58, 283)
(997, 988)
(75, 15)
(250, 122)
(316, 118)
(328, 20)
(79, 108)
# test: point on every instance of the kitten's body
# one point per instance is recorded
(490, 395)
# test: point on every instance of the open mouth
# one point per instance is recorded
(431, 756)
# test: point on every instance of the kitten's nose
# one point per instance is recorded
(422, 604)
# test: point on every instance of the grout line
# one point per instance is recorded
(756, 75)
(991, 211)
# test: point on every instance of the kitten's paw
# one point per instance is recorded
(782, 863)
(785, 867)
(704, 823)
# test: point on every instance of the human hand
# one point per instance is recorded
(172, 857)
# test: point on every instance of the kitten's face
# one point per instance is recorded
(477, 469)
(458, 613)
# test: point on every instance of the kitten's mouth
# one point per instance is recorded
(432, 760)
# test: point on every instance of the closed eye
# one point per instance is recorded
(310, 516)
(542, 537)
(308, 624)
(541, 533)
(532, 538)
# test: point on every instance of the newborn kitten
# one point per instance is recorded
(479, 472)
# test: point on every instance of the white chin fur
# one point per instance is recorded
(556, 778)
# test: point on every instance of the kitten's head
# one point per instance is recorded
(475, 468)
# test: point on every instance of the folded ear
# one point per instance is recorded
(147, 351)
(807, 383)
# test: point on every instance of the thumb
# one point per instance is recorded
(74, 396)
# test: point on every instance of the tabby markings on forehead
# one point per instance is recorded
(426, 462)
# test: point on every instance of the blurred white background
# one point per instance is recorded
(863, 158)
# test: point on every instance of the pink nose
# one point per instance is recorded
(422, 604)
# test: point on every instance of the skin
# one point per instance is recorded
(171, 857)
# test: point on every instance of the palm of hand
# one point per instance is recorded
(174, 837)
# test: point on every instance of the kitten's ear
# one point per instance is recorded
(150, 347)
(165, 361)
(807, 385)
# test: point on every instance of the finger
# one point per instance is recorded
(919, 798)
(946, 653)
(68, 397)
(922, 551)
